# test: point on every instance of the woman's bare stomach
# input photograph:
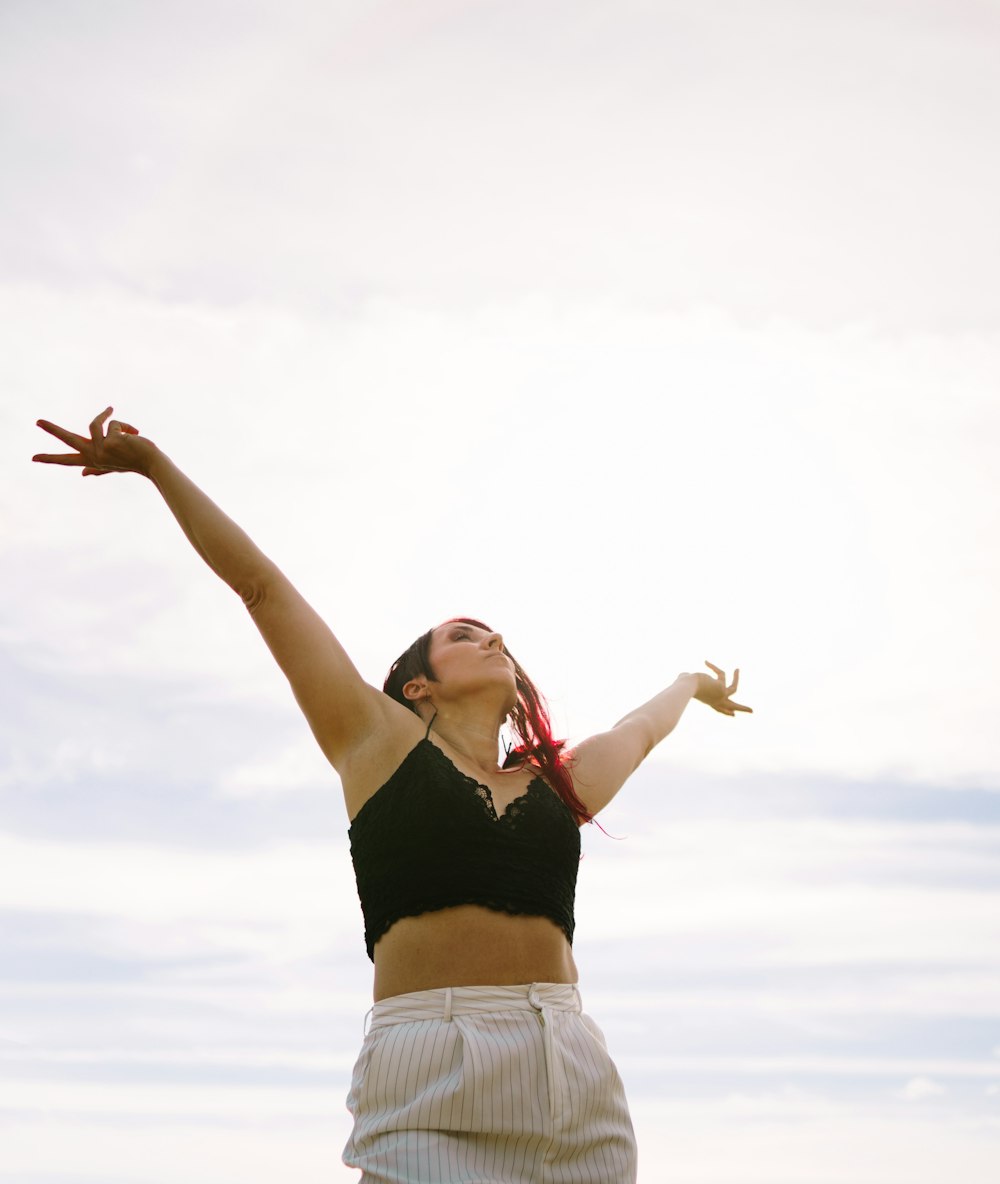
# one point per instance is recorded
(470, 946)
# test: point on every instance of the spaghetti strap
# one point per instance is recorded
(428, 732)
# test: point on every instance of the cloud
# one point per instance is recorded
(143, 882)
(229, 1134)
(777, 1137)
(846, 546)
(299, 766)
(919, 1089)
(788, 161)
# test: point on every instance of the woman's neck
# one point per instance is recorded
(474, 735)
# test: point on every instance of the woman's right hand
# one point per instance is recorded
(121, 450)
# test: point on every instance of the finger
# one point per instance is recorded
(735, 683)
(97, 472)
(97, 425)
(129, 429)
(717, 672)
(67, 437)
(59, 458)
(740, 707)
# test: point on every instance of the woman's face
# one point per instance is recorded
(466, 658)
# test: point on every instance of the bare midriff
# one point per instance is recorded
(470, 946)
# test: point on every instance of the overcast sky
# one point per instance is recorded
(649, 333)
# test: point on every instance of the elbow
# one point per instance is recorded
(253, 594)
(255, 586)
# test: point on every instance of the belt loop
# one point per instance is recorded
(447, 1004)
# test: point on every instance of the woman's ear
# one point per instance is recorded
(415, 689)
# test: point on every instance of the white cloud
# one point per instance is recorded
(918, 1089)
(195, 1059)
(229, 1135)
(295, 767)
(809, 892)
(127, 883)
(787, 1137)
(176, 1102)
(792, 161)
(837, 539)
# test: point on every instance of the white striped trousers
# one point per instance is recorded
(488, 1085)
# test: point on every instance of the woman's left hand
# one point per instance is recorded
(716, 694)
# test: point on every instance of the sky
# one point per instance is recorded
(649, 333)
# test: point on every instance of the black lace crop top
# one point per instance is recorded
(430, 839)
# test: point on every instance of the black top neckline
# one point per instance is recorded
(536, 781)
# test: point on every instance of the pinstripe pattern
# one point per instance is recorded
(488, 1085)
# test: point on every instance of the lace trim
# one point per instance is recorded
(495, 906)
(515, 808)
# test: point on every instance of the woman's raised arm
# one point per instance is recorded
(341, 708)
(603, 763)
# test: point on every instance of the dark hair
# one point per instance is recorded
(529, 717)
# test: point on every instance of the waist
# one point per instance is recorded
(442, 1003)
(467, 945)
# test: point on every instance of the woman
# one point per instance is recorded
(479, 1065)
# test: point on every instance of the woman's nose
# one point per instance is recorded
(495, 641)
